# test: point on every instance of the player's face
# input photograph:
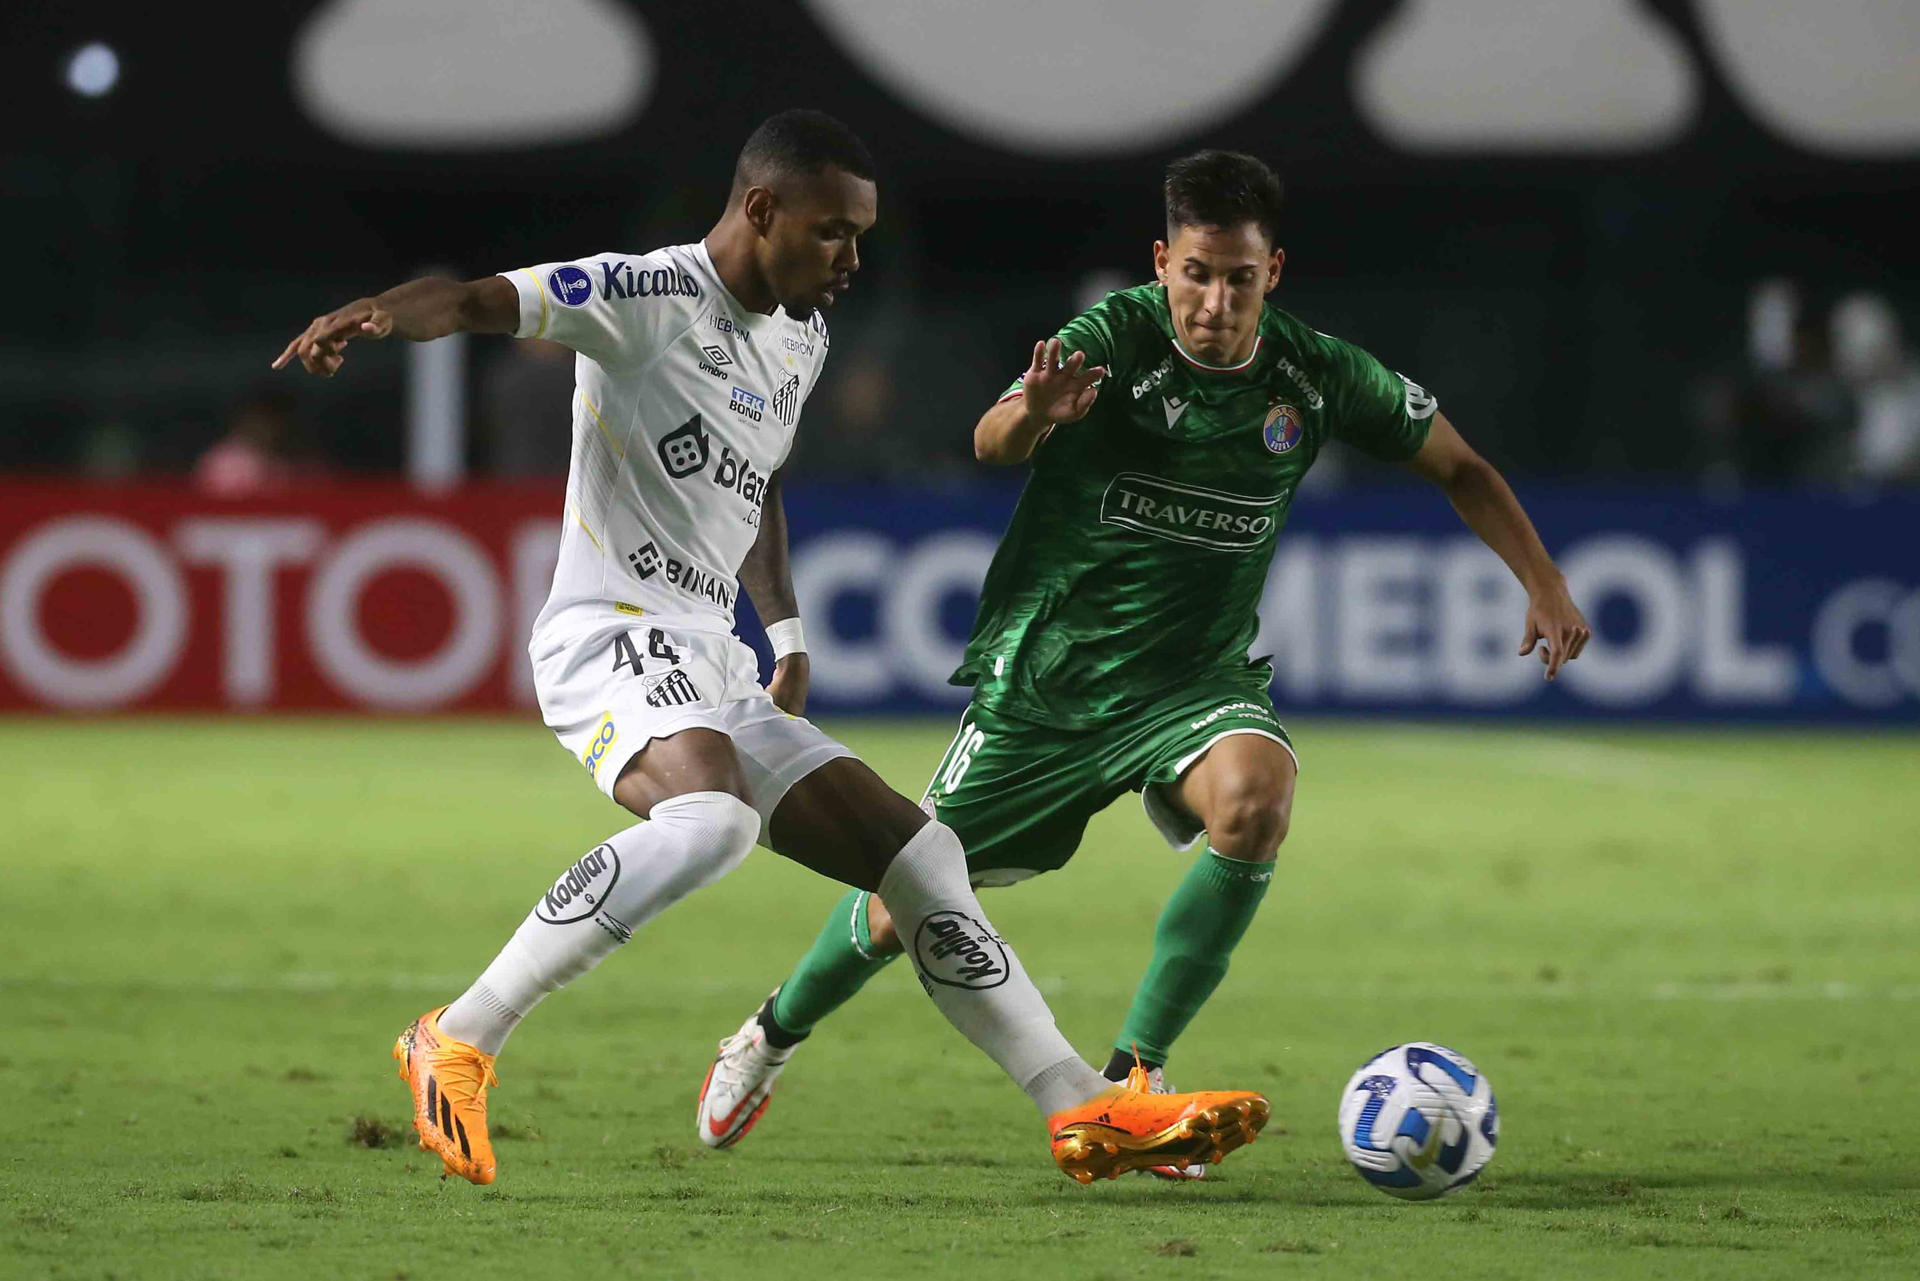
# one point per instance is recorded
(810, 248)
(1217, 278)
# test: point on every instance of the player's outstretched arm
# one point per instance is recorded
(420, 311)
(1488, 506)
(767, 574)
(1052, 391)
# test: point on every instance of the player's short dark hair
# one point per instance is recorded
(800, 142)
(1223, 189)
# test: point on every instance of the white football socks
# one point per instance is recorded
(974, 977)
(688, 843)
(692, 841)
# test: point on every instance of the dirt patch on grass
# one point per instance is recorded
(371, 1132)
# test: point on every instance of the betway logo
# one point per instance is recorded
(1189, 514)
(1300, 380)
(1152, 380)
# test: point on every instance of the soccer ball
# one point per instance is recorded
(1418, 1121)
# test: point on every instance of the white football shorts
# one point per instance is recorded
(611, 683)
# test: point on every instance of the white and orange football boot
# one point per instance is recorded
(1129, 1127)
(739, 1085)
(449, 1080)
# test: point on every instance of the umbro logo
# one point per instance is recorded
(716, 360)
(1175, 408)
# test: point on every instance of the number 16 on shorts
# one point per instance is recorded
(953, 766)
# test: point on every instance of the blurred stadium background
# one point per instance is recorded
(1655, 257)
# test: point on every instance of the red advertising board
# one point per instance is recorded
(375, 598)
(365, 596)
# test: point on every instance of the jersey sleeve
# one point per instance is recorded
(1376, 410)
(1092, 331)
(602, 306)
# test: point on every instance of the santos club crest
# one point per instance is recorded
(786, 400)
(1283, 428)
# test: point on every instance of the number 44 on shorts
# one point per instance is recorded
(625, 655)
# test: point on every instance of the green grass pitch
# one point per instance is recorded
(1686, 960)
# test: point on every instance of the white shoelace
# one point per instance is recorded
(740, 1063)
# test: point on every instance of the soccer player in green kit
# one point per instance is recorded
(1168, 428)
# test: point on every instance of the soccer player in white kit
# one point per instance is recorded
(694, 362)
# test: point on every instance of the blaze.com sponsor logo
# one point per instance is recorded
(598, 746)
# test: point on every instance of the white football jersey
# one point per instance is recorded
(684, 404)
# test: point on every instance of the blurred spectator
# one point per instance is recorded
(253, 457)
(865, 434)
(1787, 416)
(904, 384)
(1885, 380)
(110, 451)
(526, 410)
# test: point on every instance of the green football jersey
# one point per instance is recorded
(1138, 553)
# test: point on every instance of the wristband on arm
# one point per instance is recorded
(786, 638)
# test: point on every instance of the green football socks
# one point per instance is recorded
(1198, 929)
(1197, 932)
(838, 964)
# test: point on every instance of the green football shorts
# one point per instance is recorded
(1019, 794)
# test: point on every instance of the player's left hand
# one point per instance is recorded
(1555, 628)
(789, 684)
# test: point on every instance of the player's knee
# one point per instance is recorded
(715, 831)
(935, 845)
(733, 827)
(1249, 826)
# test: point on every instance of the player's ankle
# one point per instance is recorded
(1122, 1063)
(780, 1038)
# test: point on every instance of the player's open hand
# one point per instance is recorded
(322, 348)
(1057, 390)
(1555, 628)
(788, 688)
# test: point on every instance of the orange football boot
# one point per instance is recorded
(449, 1080)
(1157, 1082)
(1129, 1127)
